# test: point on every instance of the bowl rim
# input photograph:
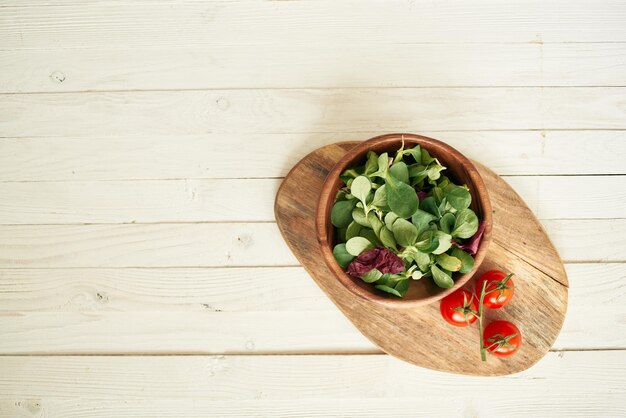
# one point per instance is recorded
(322, 218)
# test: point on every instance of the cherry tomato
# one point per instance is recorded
(499, 290)
(459, 308)
(502, 338)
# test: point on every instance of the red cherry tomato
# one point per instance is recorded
(459, 308)
(499, 290)
(502, 338)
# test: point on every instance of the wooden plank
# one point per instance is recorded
(272, 155)
(448, 406)
(235, 289)
(289, 111)
(328, 66)
(239, 244)
(259, 408)
(573, 237)
(147, 245)
(274, 378)
(192, 290)
(300, 332)
(138, 201)
(182, 332)
(124, 23)
(553, 197)
(112, 311)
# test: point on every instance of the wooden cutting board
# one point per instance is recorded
(419, 335)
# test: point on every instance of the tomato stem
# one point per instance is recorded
(483, 351)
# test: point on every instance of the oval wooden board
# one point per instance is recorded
(419, 335)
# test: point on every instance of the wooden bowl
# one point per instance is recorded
(458, 168)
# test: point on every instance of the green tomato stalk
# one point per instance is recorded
(483, 351)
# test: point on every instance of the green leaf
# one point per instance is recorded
(458, 197)
(443, 182)
(427, 241)
(341, 195)
(466, 224)
(357, 245)
(437, 193)
(445, 242)
(399, 153)
(383, 165)
(371, 276)
(434, 171)
(416, 275)
(444, 206)
(370, 235)
(343, 257)
(354, 229)
(361, 187)
(388, 279)
(372, 163)
(422, 220)
(375, 223)
(415, 152)
(417, 172)
(388, 289)
(447, 222)
(341, 213)
(448, 262)
(400, 171)
(390, 218)
(402, 286)
(387, 238)
(404, 232)
(380, 197)
(441, 278)
(426, 158)
(351, 173)
(429, 205)
(467, 261)
(401, 197)
(422, 260)
(359, 217)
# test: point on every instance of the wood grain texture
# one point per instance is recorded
(240, 244)
(234, 310)
(125, 23)
(416, 335)
(317, 407)
(306, 110)
(143, 245)
(87, 318)
(197, 200)
(231, 289)
(190, 290)
(313, 66)
(31, 386)
(272, 155)
(259, 408)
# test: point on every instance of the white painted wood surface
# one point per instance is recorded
(141, 272)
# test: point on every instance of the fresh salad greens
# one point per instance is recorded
(398, 217)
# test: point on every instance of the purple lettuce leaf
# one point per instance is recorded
(381, 258)
(472, 245)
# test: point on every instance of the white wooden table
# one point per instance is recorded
(142, 143)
